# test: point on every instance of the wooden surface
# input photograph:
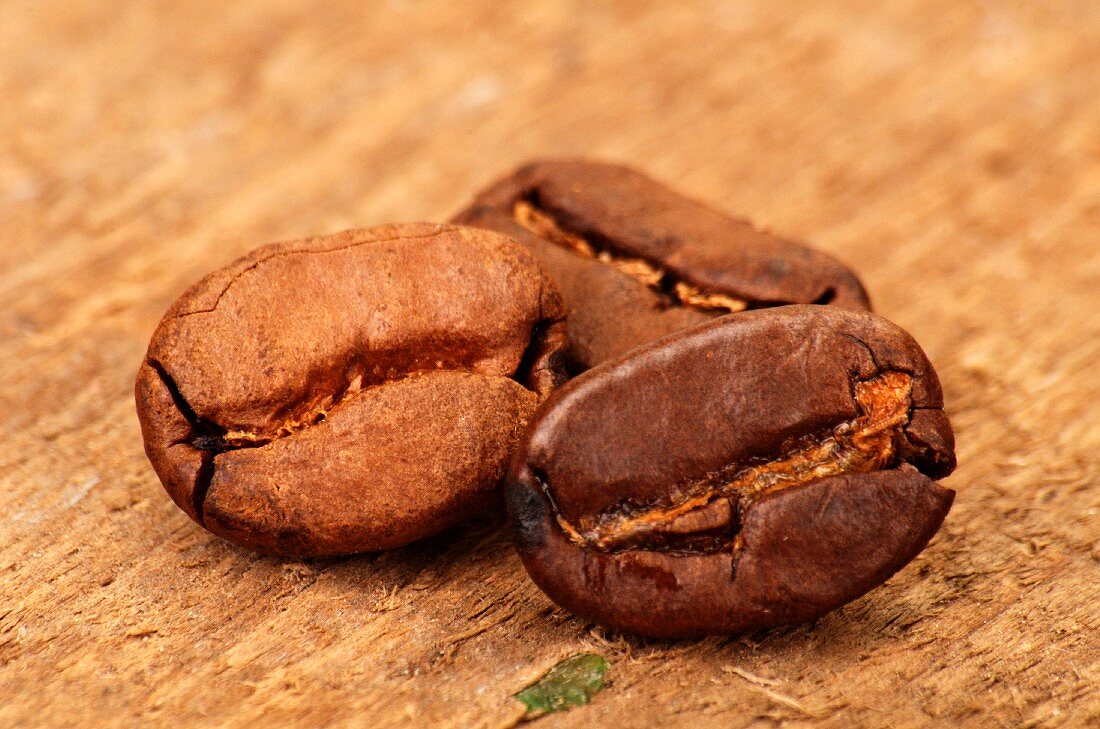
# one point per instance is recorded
(949, 150)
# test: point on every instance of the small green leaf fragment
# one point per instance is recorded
(572, 682)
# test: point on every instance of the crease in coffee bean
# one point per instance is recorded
(206, 431)
(204, 437)
(879, 369)
(531, 215)
(211, 439)
(868, 349)
(867, 443)
(527, 369)
(737, 548)
(203, 478)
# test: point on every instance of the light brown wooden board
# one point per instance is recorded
(949, 150)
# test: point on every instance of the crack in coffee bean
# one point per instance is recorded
(213, 439)
(864, 444)
(678, 293)
(637, 261)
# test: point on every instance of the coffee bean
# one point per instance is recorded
(636, 260)
(753, 471)
(351, 392)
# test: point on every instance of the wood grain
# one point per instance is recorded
(949, 151)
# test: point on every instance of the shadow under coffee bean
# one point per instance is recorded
(352, 392)
(636, 260)
(754, 471)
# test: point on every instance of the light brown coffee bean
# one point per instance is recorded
(350, 392)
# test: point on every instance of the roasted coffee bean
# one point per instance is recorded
(636, 260)
(351, 392)
(753, 471)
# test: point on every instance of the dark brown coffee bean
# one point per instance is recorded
(757, 470)
(352, 392)
(636, 261)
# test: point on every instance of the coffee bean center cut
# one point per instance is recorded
(704, 520)
(530, 216)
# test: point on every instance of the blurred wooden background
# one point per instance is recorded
(948, 149)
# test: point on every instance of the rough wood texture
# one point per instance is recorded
(949, 150)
